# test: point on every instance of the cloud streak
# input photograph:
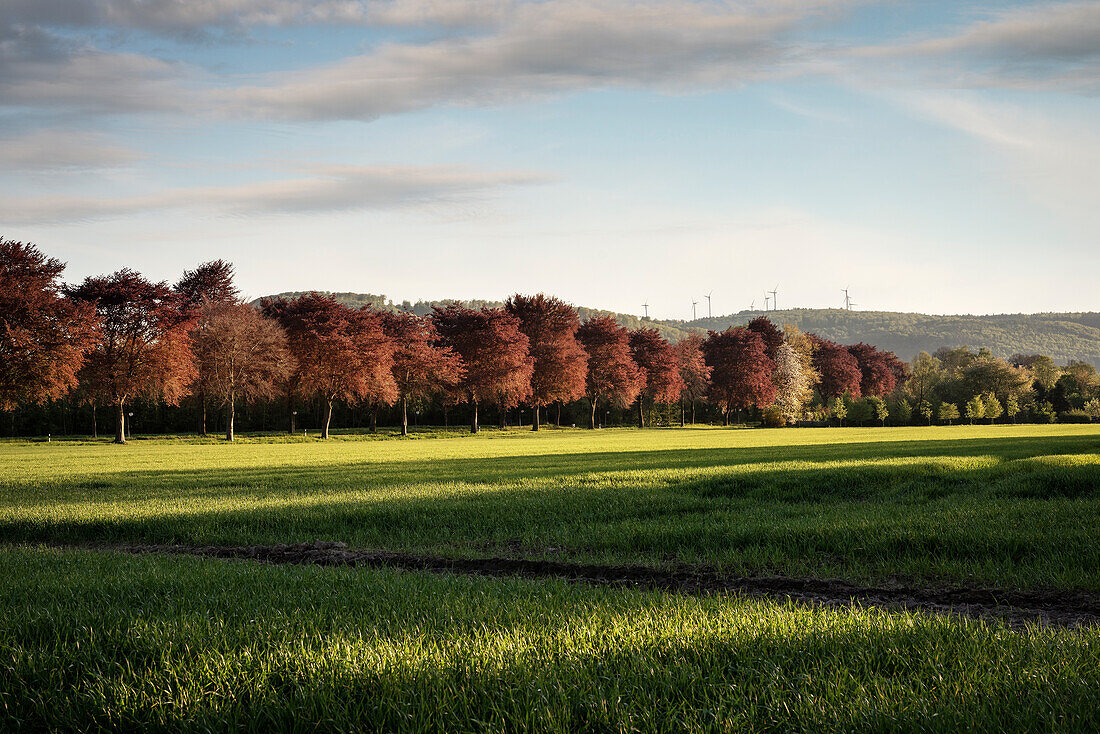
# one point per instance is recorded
(323, 189)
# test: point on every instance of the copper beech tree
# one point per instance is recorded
(143, 347)
(560, 364)
(341, 353)
(612, 376)
(494, 352)
(421, 366)
(837, 369)
(210, 284)
(44, 337)
(741, 371)
(660, 369)
(694, 372)
(241, 355)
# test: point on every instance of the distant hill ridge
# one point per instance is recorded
(1063, 336)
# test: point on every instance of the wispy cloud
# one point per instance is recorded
(321, 189)
(46, 150)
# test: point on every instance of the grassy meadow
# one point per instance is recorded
(1002, 506)
(102, 640)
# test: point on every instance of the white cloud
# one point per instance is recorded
(544, 48)
(62, 149)
(322, 189)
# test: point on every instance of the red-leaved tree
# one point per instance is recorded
(658, 362)
(341, 353)
(741, 371)
(838, 369)
(44, 337)
(693, 371)
(769, 332)
(560, 365)
(613, 375)
(241, 355)
(421, 366)
(208, 285)
(143, 349)
(878, 369)
(494, 352)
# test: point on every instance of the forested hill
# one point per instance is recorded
(1062, 336)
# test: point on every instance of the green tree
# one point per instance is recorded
(948, 412)
(1092, 408)
(975, 408)
(926, 411)
(902, 412)
(1012, 407)
(993, 407)
(839, 409)
(926, 372)
(860, 411)
(878, 406)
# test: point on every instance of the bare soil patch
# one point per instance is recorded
(1016, 608)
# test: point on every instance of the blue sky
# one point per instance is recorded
(933, 156)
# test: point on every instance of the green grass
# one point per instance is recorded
(1008, 506)
(92, 641)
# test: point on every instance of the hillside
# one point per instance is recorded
(1063, 336)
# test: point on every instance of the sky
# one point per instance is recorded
(939, 157)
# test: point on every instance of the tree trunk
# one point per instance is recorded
(374, 420)
(230, 413)
(693, 411)
(592, 421)
(446, 417)
(202, 413)
(404, 416)
(95, 428)
(503, 417)
(559, 414)
(535, 418)
(290, 410)
(726, 416)
(683, 413)
(474, 427)
(641, 413)
(328, 419)
(120, 422)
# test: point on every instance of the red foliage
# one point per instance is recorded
(741, 371)
(613, 374)
(693, 369)
(658, 362)
(342, 353)
(421, 367)
(838, 369)
(494, 351)
(769, 332)
(560, 364)
(43, 337)
(879, 370)
(144, 347)
(211, 282)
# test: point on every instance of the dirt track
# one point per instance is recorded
(1063, 609)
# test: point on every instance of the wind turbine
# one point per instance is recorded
(775, 301)
(709, 314)
(767, 301)
(847, 300)
(646, 307)
(693, 309)
(752, 306)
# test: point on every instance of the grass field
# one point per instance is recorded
(90, 639)
(1011, 506)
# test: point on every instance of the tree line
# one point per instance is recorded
(111, 340)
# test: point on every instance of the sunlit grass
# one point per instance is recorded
(91, 640)
(1013, 506)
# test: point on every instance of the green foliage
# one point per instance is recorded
(926, 410)
(902, 412)
(947, 412)
(993, 407)
(1043, 412)
(838, 408)
(861, 411)
(1092, 408)
(975, 408)
(1012, 406)
(879, 409)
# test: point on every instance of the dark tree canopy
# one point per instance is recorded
(837, 369)
(560, 364)
(44, 337)
(879, 371)
(211, 282)
(612, 374)
(494, 352)
(741, 371)
(769, 332)
(143, 347)
(694, 371)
